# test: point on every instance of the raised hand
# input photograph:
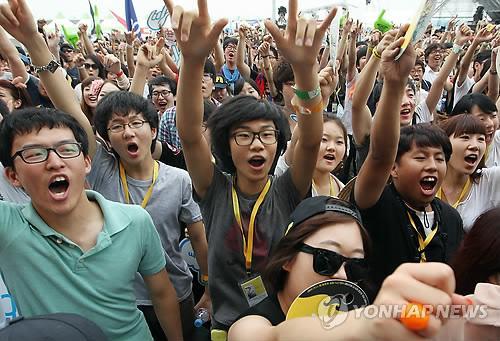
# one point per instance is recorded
(130, 37)
(112, 64)
(79, 60)
(463, 35)
(452, 23)
(302, 40)
(375, 37)
(264, 49)
(195, 35)
(483, 35)
(83, 28)
(17, 19)
(328, 80)
(387, 40)
(149, 55)
(397, 70)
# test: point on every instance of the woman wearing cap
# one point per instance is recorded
(326, 240)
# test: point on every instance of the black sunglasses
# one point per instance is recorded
(93, 66)
(327, 262)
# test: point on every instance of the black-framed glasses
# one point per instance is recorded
(36, 154)
(246, 138)
(328, 262)
(91, 66)
(163, 93)
(119, 127)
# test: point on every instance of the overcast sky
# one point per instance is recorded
(397, 11)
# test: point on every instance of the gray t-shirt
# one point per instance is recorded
(226, 261)
(170, 205)
(9, 192)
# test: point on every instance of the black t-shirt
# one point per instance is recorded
(269, 308)
(172, 156)
(395, 241)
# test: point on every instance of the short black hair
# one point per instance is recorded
(123, 103)
(360, 54)
(25, 121)
(431, 48)
(209, 67)
(283, 73)
(240, 83)
(423, 135)
(243, 109)
(229, 40)
(162, 80)
(466, 103)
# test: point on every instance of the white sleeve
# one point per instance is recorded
(424, 115)
(461, 91)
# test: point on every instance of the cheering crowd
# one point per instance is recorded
(282, 167)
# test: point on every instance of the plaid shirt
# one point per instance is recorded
(168, 131)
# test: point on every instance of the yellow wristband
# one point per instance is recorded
(204, 278)
(376, 54)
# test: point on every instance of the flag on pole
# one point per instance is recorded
(70, 35)
(96, 29)
(120, 19)
(131, 18)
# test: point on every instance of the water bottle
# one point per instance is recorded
(202, 315)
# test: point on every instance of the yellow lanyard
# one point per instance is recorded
(421, 242)
(332, 188)
(123, 178)
(440, 194)
(248, 246)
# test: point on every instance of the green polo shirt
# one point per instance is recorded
(48, 273)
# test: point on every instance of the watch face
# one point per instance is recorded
(52, 66)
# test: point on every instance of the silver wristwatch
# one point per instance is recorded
(51, 66)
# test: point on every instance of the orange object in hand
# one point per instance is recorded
(415, 317)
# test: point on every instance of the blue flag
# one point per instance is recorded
(131, 18)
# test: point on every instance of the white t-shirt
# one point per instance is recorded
(424, 115)
(430, 75)
(349, 91)
(494, 151)
(482, 197)
(282, 166)
(461, 91)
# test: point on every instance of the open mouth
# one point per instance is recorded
(132, 148)
(230, 55)
(405, 112)
(59, 185)
(257, 161)
(428, 183)
(329, 157)
(471, 159)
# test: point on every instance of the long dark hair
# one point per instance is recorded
(479, 255)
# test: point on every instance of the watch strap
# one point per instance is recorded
(50, 66)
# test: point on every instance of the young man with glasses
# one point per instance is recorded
(129, 174)
(90, 249)
(244, 208)
(162, 91)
